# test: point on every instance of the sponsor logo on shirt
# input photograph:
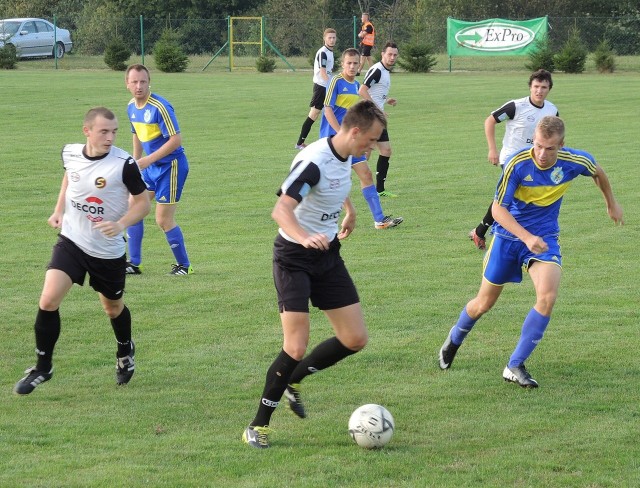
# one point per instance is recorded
(92, 207)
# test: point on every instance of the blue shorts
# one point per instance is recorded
(506, 259)
(167, 179)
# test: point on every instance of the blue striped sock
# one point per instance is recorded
(135, 233)
(373, 200)
(176, 242)
(532, 331)
(462, 327)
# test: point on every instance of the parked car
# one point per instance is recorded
(35, 38)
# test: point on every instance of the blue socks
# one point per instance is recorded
(462, 327)
(135, 233)
(532, 331)
(176, 243)
(373, 200)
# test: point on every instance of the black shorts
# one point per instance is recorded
(317, 99)
(384, 137)
(365, 50)
(106, 276)
(302, 274)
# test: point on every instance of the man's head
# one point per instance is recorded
(389, 54)
(137, 80)
(350, 61)
(363, 123)
(548, 139)
(329, 38)
(540, 84)
(365, 17)
(99, 126)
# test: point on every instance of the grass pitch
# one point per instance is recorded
(204, 341)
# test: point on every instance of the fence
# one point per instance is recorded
(301, 37)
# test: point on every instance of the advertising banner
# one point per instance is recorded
(494, 37)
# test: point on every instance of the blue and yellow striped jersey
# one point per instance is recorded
(341, 94)
(154, 123)
(533, 195)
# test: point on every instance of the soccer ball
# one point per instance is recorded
(371, 426)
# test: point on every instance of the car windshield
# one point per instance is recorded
(8, 28)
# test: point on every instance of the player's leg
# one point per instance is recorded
(295, 327)
(316, 104)
(371, 196)
(47, 325)
(382, 166)
(135, 232)
(546, 281)
(168, 193)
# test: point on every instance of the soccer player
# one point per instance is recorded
(367, 37)
(521, 117)
(322, 67)
(375, 87)
(526, 208)
(164, 168)
(342, 93)
(92, 212)
(307, 264)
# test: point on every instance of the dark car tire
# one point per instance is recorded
(58, 50)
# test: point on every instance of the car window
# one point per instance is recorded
(43, 27)
(29, 27)
(9, 28)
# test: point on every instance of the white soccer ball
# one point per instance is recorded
(371, 426)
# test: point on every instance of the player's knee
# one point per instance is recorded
(297, 352)
(113, 309)
(545, 303)
(357, 342)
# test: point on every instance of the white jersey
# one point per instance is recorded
(323, 59)
(378, 81)
(98, 190)
(522, 117)
(320, 180)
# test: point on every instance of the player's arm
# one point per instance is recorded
(613, 208)
(535, 243)
(173, 143)
(323, 67)
(490, 133)
(331, 118)
(55, 220)
(364, 92)
(349, 220)
(286, 219)
(137, 147)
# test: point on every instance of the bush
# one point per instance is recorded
(168, 54)
(541, 56)
(8, 57)
(265, 64)
(604, 57)
(573, 56)
(417, 58)
(117, 54)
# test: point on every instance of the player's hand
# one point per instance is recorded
(615, 213)
(348, 224)
(55, 220)
(392, 101)
(109, 229)
(317, 241)
(537, 245)
(493, 158)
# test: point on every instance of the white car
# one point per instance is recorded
(35, 38)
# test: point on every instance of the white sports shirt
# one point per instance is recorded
(378, 81)
(522, 117)
(98, 190)
(320, 180)
(323, 59)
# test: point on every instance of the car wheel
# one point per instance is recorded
(58, 50)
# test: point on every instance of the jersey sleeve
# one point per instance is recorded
(323, 60)
(303, 176)
(507, 111)
(132, 178)
(332, 92)
(372, 77)
(167, 120)
(507, 185)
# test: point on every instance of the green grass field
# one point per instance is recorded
(204, 342)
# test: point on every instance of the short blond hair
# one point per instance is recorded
(551, 126)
